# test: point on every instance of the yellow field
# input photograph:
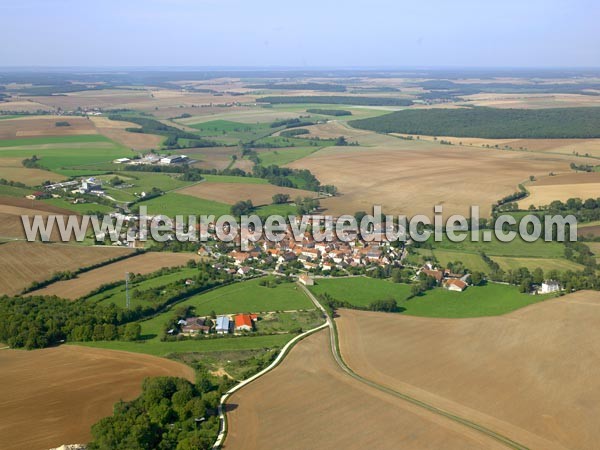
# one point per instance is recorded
(65, 390)
(562, 187)
(230, 193)
(546, 264)
(532, 375)
(410, 177)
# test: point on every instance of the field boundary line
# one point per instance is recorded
(342, 364)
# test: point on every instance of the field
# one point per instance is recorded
(244, 297)
(64, 152)
(22, 127)
(410, 177)
(66, 389)
(477, 301)
(88, 281)
(230, 193)
(174, 203)
(12, 169)
(332, 410)
(562, 187)
(157, 348)
(11, 209)
(595, 248)
(546, 264)
(21, 263)
(531, 375)
(116, 131)
(472, 261)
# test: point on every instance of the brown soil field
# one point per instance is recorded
(561, 146)
(88, 281)
(12, 169)
(116, 130)
(11, 209)
(211, 157)
(260, 194)
(568, 179)
(44, 126)
(532, 101)
(53, 396)
(309, 402)
(21, 263)
(589, 231)
(410, 177)
(19, 105)
(532, 375)
(544, 194)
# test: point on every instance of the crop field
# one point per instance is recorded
(25, 126)
(116, 131)
(232, 132)
(12, 169)
(212, 157)
(284, 155)
(332, 410)
(12, 207)
(174, 203)
(410, 177)
(88, 281)
(476, 301)
(546, 264)
(68, 385)
(62, 152)
(520, 374)
(514, 248)
(229, 193)
(471, 261)
(562, 187)
(25, 262)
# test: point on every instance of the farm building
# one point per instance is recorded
(175, 159)
(549, 286)
(244, 322)
(195, 325)
(453, 284)
(223, 325)
(306, 280)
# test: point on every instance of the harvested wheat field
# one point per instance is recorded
(12, 169)
(22, 263)
(88, 281)
(410, 177)
(116, 130)
(11, 209)
(53, 396)
(532, 375)
(562, 187)
(308, 402)
(45, 126)
(260, 194)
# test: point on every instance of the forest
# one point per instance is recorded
(338, 100)
(491, 123)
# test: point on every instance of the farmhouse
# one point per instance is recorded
(223, 325)
(195, 325)
(244, 322)
(437, 274)
(453, 284)
(550, 286)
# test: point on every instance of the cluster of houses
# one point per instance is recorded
(445, 277)
(312, 255)
(225, 324)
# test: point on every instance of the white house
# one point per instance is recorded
(550, 286)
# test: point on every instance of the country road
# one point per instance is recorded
(509, 443)
(330, 323)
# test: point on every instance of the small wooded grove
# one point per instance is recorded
(171, 413)
(492, 123)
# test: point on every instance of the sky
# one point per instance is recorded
(307, 33)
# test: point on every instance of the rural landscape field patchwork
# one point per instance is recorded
(120, 330)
